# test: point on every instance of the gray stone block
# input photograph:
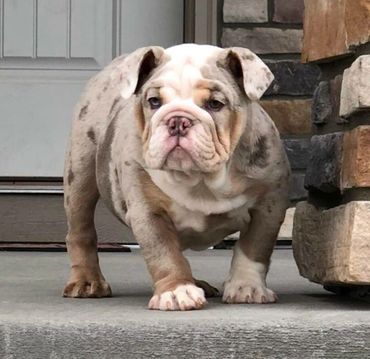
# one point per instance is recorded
(325, 106)
(245, 11)
(298, 152)
(297, 191)
(324, 167)
(293, 78)
(264, 40)
(321, 106)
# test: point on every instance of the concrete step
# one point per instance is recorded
(36, 322)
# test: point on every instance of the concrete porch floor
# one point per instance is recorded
(36, 322)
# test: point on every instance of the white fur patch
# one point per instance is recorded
(181, 193)
(246, 282)
(196, 55)
(184, 297)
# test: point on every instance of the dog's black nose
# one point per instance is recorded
(179, 126)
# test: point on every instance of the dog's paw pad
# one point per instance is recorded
(245, 293)
(87, 289)
(184, 297)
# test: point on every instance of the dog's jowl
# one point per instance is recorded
(175, 144)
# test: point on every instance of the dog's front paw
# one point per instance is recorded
(87, 289)
(184, 297)
(239, 292)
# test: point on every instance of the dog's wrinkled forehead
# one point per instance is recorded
(182, 66)
(185, 66)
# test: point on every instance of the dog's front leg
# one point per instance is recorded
(247, 278)
(174, 287)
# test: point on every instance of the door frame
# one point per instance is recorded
(201, 21)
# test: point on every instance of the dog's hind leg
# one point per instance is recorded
(80, 198)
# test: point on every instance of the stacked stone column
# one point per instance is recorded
(331, 235)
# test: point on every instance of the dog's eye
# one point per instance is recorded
(154, 102)
(213, 105)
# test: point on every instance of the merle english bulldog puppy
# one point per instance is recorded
(175, 144)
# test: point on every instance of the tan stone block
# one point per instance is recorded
(356, 158)
(355, 93)
(333, 246)
(291, 117)
(333, 28)
(287, 226)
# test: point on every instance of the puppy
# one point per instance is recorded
(177, 147)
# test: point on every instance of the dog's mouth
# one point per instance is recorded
(178, 151)
(178, 125)
(178, 157)
(176, 144)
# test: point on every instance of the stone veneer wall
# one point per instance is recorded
(273, 30)
(331, 236)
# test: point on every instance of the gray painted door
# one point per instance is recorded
(48, 50)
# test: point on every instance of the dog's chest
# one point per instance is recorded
(198, 231)
(194, 208)
(196, 221)
(203, 217)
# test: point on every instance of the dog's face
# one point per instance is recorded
(191, 102)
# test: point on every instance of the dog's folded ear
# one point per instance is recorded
(252, 75)
(137, 67)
